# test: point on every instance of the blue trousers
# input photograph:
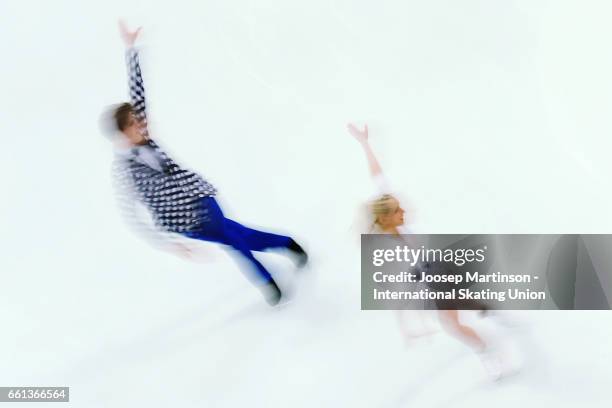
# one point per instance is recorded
(215, 227)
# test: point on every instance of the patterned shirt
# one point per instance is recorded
(146, 173)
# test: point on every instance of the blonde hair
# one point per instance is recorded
(366, 217)
(381, 206)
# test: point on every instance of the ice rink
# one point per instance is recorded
(488, 117)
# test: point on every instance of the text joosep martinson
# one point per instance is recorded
(459, 257)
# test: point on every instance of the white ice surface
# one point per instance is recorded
(489, 116)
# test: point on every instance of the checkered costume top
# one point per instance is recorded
(147, 174)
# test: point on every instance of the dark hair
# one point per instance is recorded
(122, 115)
(115, 118)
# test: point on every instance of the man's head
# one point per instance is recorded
(122, 118)
(128, 124)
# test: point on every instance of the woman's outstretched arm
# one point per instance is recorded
(362, 137)
(375, 170)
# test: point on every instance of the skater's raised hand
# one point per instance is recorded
(129, 37)
(360, 135)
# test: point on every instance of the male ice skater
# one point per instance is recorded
(178, 200)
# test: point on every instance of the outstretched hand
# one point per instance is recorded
(360, 135)
(129, 37)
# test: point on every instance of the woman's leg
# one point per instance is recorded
(450, 321)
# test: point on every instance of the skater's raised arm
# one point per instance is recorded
(362, 137)
(135, 82)
(375, 169)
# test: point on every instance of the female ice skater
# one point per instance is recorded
(178, 200)
(387, 217)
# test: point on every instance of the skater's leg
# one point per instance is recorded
(270, 289)
(257, 240)
(260, 241)
(450, 321)
(261, 277)
(214, 228)
(238, 242)
(226, 236)
(217, 228)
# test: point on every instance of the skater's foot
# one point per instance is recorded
(272, 293)
(497, 364)
(301, 257)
